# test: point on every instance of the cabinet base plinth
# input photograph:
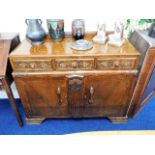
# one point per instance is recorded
(118, 119)
(35, 120)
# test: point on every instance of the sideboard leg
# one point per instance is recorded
(36, 121)
(118, 119)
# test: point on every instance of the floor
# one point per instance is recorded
(145, 120)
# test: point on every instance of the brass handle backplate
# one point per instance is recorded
(59, 95)
(75, 83)
(91, 91)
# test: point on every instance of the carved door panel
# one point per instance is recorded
(76, 95)
(108, 94)
(44, 96)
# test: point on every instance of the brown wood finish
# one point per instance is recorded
(12, 100)
(41, 97)
(147, 65)
(110, 95)
(7, 43)
(144, 76)
(55, 81)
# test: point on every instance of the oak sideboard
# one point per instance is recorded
(55, 81)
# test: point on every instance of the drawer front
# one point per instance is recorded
(116, 63)
(32, 65)
(70, 64)
(74, 64)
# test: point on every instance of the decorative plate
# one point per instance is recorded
(81, 45)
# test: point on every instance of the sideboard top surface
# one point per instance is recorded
(54, 49)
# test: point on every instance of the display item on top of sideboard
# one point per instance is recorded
(78, 29)
(35, 33)
(101, 37)
(81, 45)
(56, 29)
(117, 38)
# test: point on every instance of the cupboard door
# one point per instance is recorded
(43, 96)
(108, 94)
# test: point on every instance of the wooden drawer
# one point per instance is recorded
(33, 65)
(116, 63)
(74, 64)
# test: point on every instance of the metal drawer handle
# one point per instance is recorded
(32, 65)
(74, 65)
(59, 95)
(1, 85)
(62, 65)
(91, 91)
(116, 64)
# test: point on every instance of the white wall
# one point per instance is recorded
(14, 12)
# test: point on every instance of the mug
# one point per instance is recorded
(56, 29)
